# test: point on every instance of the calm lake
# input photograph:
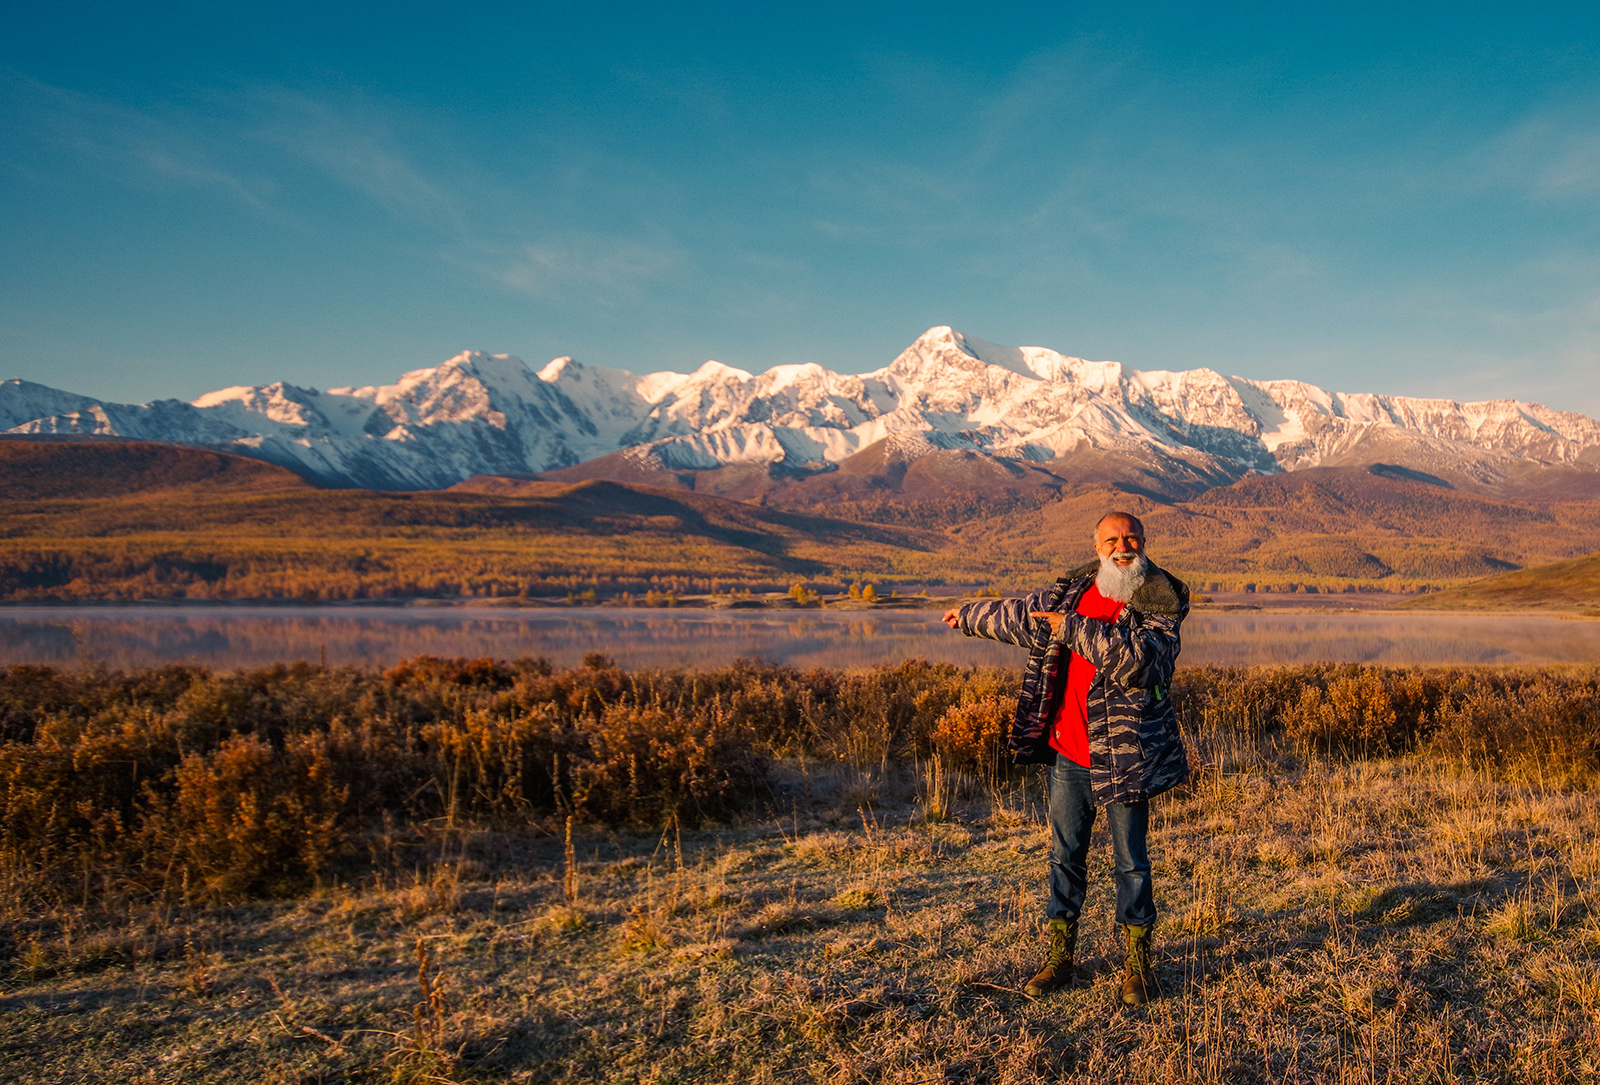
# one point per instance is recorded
(237, 637)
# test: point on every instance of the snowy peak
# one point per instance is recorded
(23, 401)
(480, 413)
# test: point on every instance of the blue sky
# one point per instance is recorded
(1370, 199)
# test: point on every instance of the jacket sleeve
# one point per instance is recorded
(1137, 655)
(1007, 621)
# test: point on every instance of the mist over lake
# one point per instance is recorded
(241, 637)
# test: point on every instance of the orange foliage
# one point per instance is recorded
(972, 735)
(223, 786)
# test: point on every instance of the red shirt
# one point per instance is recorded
(1069, 734)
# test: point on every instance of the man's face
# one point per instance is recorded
(1116, 538)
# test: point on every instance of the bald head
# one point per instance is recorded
(1127, 517)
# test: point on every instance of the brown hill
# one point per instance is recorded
(1377, 499)
(1321, 528)
(883, 471)
(612, 507)
(1562, 585)
(1520, 481)
(98, 519)
(627, 465)
(1367, 523)
(34, 468)
(1543, 484)
(168, 523)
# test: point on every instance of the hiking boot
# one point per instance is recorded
(1139, 982)
(1057, 970)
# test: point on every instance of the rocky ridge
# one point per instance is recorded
(491, 414)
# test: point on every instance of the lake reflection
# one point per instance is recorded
(235, 637)
(1376, 637)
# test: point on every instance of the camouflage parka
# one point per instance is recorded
(1135, 750)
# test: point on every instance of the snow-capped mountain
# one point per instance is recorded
(483, 414)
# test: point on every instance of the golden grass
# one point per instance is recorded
(1409, 907)
(1449, 936)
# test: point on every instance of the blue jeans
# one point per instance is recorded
(1071, 817)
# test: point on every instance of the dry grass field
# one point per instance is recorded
(1373, 876)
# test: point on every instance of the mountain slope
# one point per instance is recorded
(1365, 523)
(170, 523)
(104, 518)
(35, 469)
(1322, 528)
(1563, 585)
(1169, 434)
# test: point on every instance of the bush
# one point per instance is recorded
(643, 764)
(971, 736)
(247, 820)
(182, 782)
(1362, 710)
(1504, 719)
(1482, 716)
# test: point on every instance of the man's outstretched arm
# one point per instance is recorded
(1006, 620)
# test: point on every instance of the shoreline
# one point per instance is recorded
(1212, 602)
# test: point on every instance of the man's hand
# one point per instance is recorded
(1054, 619)
(952, 617)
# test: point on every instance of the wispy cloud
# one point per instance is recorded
(1074, 151)
(359, 146)
(579, 266)
(256, 146)
(355, 146)
(1550, 155)
(1070, 88)
(126, 145)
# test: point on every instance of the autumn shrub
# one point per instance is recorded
(282, 700)
(377, 766)
(28, 694)
(971, 735)
(1512, 717)
(1361, 709)
(456, 671)
(1248, 701)
(889, 712)
(787, 711)
(179, 781)
(257, 783)
(1483, 716)
(247, 820)
(499, 767)
(70, 799)
(643, 764)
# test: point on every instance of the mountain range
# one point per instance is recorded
(951, 408)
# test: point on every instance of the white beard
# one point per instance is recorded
(1119, 582)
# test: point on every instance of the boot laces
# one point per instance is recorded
(1060, 948)
(1139, 951)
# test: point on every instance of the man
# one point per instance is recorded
(1095, 708)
